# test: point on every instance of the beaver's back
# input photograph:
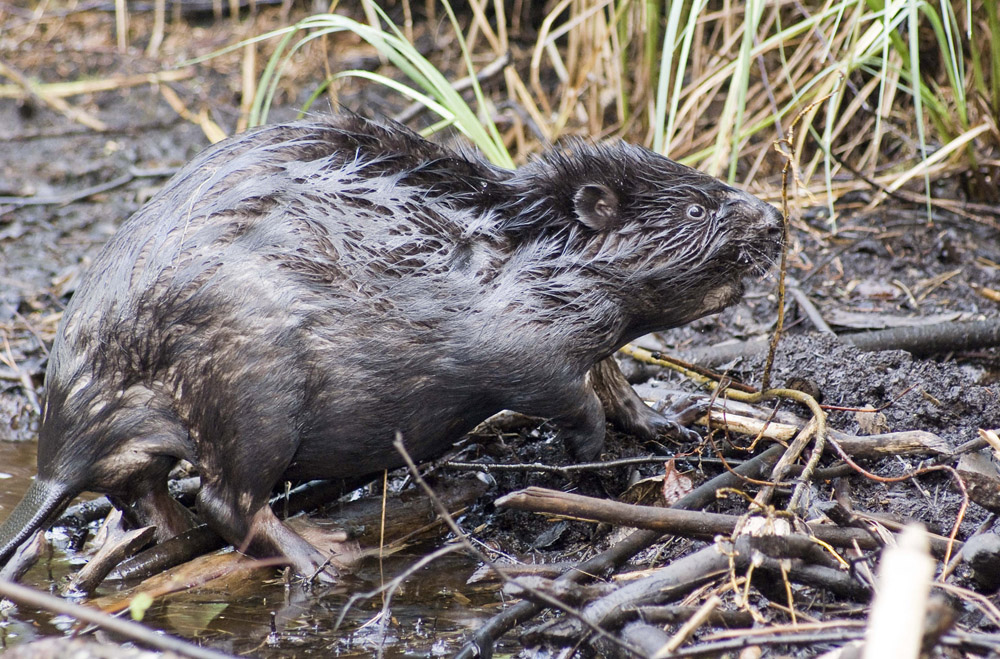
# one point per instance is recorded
(305, 259)
(326, 207)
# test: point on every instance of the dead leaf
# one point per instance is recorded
(871, 423)
(675, 484)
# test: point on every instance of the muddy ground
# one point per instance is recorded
(874, 268)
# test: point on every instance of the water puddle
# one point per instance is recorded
(429, 614)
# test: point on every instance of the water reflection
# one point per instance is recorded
(259, 615)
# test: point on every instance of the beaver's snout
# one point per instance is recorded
(763, 227)
(773, 225)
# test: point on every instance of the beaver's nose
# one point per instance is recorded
(762, 216)
(774, 223)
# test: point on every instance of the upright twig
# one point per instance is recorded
(786, 149)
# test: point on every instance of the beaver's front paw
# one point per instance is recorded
(674, 420)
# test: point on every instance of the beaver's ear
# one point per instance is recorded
(596, 207)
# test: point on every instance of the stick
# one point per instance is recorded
(480, 644)
(57, 104)
(76, 87)
(920, 340)
(131, 630)
(70, 197)
(896, 621)
(687, 523)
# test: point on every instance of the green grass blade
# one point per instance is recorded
(666, 68)
(437, 95)
(913, 25)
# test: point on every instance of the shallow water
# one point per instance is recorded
(429, 613)
(17, 468)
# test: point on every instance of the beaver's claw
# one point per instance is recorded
(675, 419)
(626, 410)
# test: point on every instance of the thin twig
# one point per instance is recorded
(76, 195)
(131, 630)
(442, 511)
(786, 148)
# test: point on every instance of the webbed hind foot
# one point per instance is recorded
(626, 409)
(261, 534)
(314, 553)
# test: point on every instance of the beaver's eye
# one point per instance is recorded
(696, 211)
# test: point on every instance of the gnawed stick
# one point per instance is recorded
(920, 341)
(669, 614)
(905, 442)
(117, 545)
(24, 557)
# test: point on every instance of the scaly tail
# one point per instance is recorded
(41, 502)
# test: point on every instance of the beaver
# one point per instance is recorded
(298, 295)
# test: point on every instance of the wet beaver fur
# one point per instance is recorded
(298, 294)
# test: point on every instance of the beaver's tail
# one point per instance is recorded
(40, 504)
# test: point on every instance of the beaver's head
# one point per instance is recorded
(671, 242)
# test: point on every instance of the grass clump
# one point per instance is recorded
(910, 88)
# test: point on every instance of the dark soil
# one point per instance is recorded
(871, 269)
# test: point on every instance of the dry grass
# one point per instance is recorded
(713, 83)
(709, 82)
